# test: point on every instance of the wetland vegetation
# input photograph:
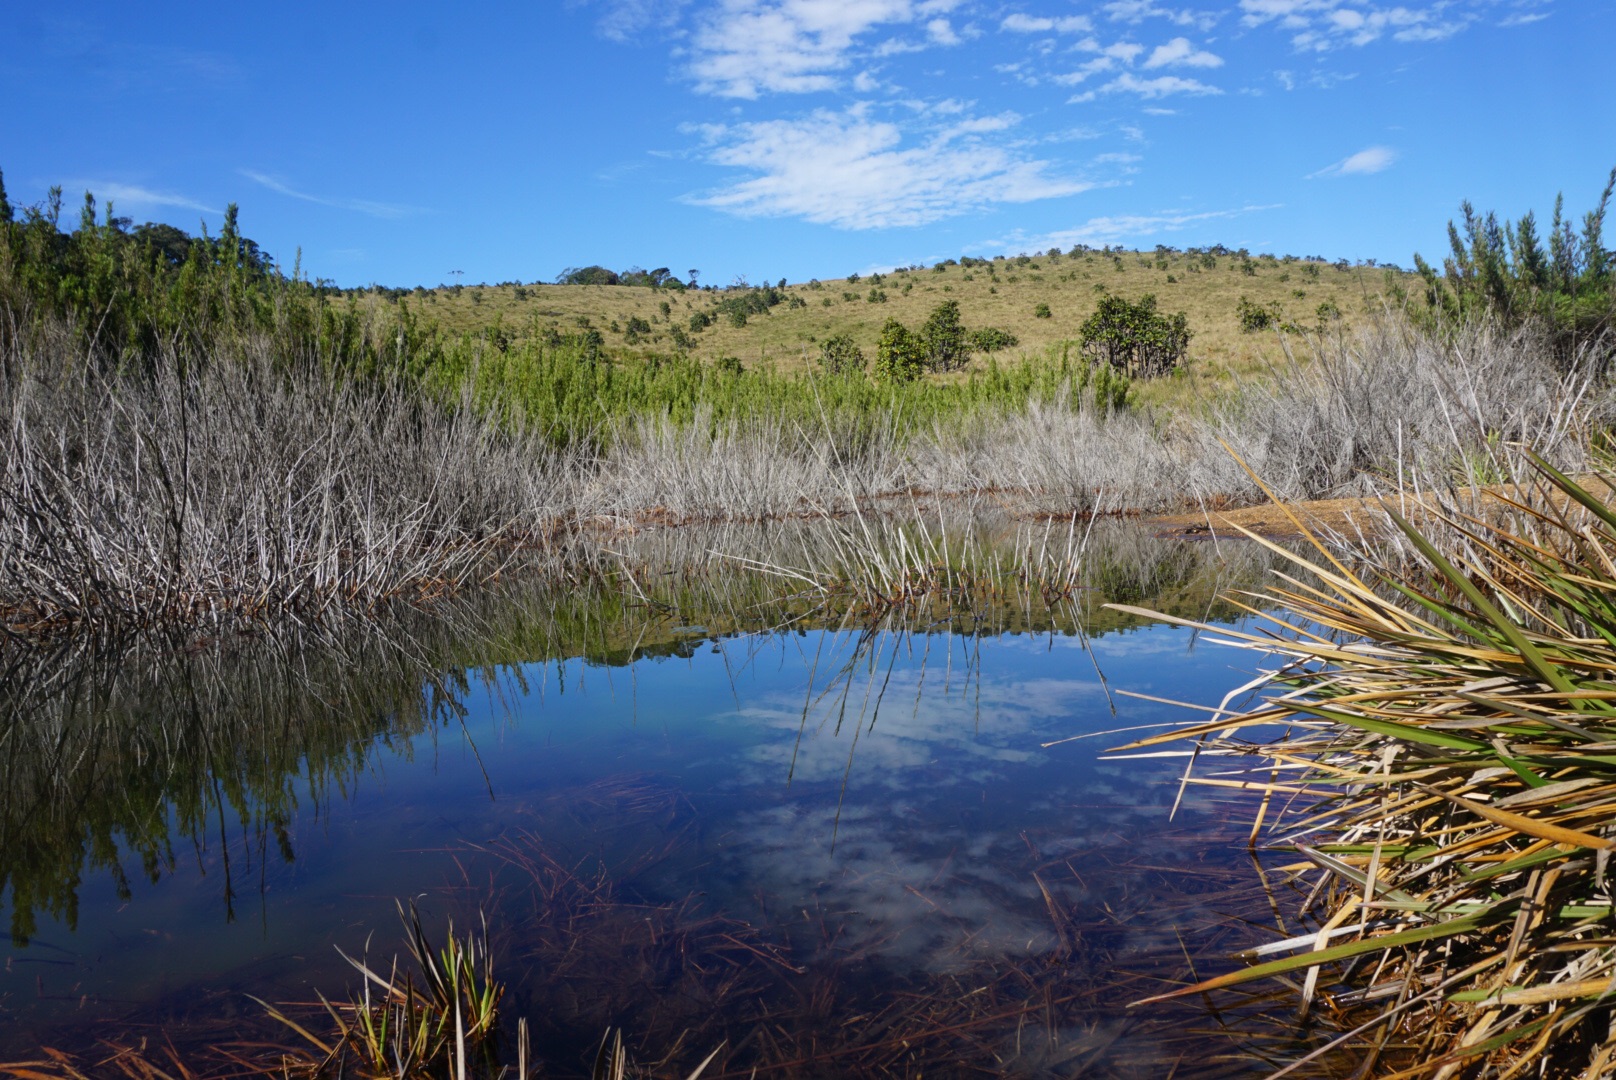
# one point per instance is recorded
(265, 544)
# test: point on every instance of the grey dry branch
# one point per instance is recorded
(238, 487)
(210, 491)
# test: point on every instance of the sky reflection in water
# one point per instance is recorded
(889, 792)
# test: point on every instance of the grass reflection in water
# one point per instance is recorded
(868, 921)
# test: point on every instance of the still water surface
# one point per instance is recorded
(830, 832)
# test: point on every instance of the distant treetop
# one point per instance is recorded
(660, 278)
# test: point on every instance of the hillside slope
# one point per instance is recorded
(1004, 293)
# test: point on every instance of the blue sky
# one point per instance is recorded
(805, 138)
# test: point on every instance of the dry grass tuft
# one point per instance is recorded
(1439, 753)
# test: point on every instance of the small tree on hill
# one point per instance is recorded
(946, 344)
(901, 354)
(1133, 337)
(839, 355)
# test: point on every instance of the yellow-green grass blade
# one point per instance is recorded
(1526, 825)
(1392, 729)
(1285, 966)
(1511, 632)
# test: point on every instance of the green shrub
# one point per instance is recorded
(1133, 337)
(1042, 312)
(1504, 271)
(901, 354)
(990, 339)
(943, 338)
(839, 355)
(1253, 317)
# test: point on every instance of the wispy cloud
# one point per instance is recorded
(127, 196)
(362, 206)
(746, 48)
(1043, 24)
(1137, 11)
(1374, 159)
(1114, 228)
(622, 20)
(1180, 53)
(1322, 25)
(1148, 89)
(851, 171)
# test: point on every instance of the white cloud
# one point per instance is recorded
(1114, 228)
(1431, 31)
(850, 171)
(1126, 51)
(124, 196)
(1180, 53)
(1365, 162)
(1148, 89)
(1086, 71)
(624, 19)
(745, 48)
(1029, 24)
(1135, 12)
(1286, 79)
(1524, 18)
(1322, 25)
(363, 206)
(942, 32)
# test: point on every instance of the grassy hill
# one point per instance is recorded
(1005, 293)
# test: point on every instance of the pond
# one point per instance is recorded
(831, 847)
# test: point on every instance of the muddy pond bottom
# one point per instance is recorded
(830, 853)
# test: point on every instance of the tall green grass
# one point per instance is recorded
(574, 393)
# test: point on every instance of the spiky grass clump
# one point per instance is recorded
(1449, 740)
(403, 1025)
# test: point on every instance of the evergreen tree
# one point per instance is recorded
(901, 354)
(1500, 270)
(944, 338)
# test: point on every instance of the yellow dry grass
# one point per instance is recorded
(1004, 296)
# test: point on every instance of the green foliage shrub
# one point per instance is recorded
(1042, 312)
(1504, 270)
(901, 354)
(1253, 317)
(1134, 337)
(587, 275)
(944, 338)
(990, 339)
(839, 355)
